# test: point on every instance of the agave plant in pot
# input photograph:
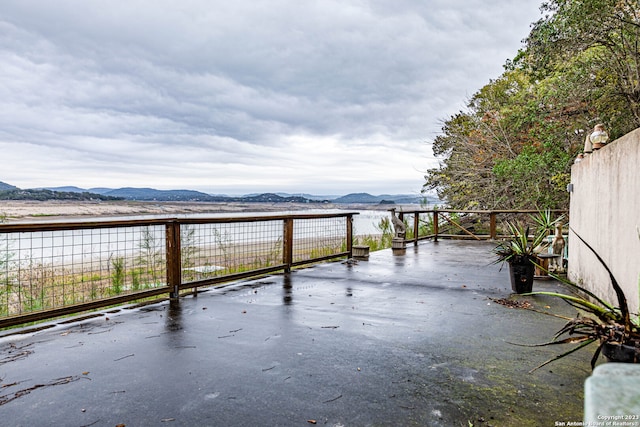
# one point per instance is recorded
(617, 335)
(519, 251)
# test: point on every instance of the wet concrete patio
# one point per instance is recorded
(409, 340)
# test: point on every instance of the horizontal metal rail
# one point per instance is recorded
(51, 269)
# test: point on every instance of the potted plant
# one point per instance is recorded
(519, 251)
(611, 327)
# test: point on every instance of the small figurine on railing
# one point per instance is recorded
(557, 247)
(398, 226)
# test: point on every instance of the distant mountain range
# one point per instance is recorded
(10, 192)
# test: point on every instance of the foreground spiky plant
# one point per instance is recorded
(602, 322)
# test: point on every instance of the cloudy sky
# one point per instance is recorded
(316, 96)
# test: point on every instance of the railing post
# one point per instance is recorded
(350, 235)
(435, 225)
(287, 241)
(174, 263)
(416, 229)
(492, 225)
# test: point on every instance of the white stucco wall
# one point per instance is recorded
(605, 212)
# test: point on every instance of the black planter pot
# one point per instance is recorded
(521, 276)
(621, 353)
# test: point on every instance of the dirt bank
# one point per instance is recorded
(19, 210)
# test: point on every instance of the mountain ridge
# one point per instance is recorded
(10, 192)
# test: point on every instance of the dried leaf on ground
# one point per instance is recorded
(524, 304)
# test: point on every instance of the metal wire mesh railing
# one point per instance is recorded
(52, 269)
(220, 249)
(41, 270)
(318, 238)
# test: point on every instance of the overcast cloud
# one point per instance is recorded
(324, 97)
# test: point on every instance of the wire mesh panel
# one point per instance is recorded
(51, 269)
(211, 250)
(43, 270)
(318, 238)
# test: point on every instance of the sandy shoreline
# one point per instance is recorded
(23, 210)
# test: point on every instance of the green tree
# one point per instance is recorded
(601, 37)
(497, 153)
(514, 145)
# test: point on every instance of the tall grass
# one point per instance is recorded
(151, 257)
(380, 241)
(118, 275)
(6, 276)
(188, 250)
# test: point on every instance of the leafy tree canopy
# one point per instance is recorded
(514, 145)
